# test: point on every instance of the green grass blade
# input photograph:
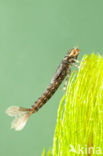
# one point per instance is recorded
(80, 114)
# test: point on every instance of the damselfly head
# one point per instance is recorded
(72, 54)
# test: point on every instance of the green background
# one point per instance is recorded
(34, 37)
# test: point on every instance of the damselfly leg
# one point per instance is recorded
(66, 80)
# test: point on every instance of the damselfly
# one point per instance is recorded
(22, 114)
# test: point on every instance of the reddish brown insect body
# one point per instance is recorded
(61, 73)
(57, 79)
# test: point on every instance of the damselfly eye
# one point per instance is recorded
(74, 53)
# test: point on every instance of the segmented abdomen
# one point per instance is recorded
(55, 83)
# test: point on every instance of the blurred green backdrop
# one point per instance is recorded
(34, 36)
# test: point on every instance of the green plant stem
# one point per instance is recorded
(80, 114)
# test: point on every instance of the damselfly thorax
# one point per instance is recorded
(22, 114)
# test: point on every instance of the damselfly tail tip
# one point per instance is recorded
(20, 121)
(20, 117)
